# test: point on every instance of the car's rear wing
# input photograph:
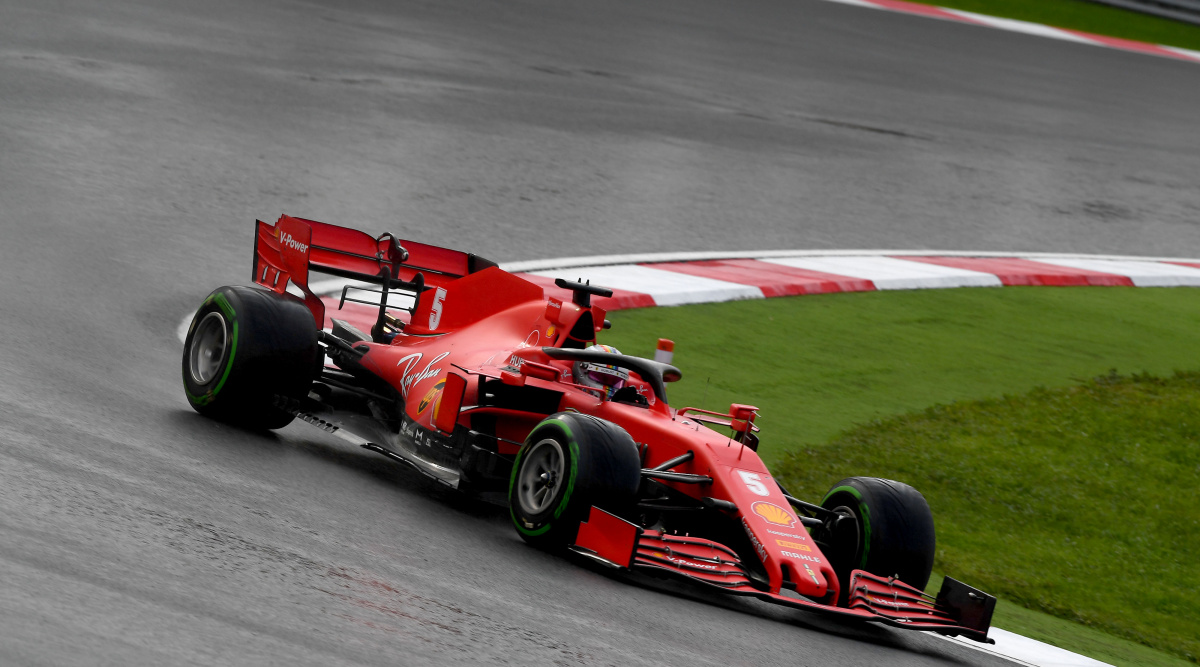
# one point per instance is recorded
(292, 247)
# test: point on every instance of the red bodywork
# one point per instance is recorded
(474, 324)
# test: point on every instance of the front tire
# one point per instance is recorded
(245, 348)
(569, 463)
(886, 529)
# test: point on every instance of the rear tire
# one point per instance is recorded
(569, 463)
(245, 347)
(887, 531)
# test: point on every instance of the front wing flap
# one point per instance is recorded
(957, 610)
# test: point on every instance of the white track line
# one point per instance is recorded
(1014, 25)
(1184, 52)
(1026, 651)
(858, 3)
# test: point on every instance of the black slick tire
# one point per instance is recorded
(569, 463)
(887, 530)
(247, 347)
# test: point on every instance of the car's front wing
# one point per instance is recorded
(957, 610)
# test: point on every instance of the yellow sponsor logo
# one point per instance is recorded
(429, 397)
(793, 545)
(773, 513)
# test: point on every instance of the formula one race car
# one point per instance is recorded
(474, 377)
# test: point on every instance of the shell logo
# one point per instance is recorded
(437, 388)
(773, 513)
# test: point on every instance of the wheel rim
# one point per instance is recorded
(541, 476)
(209, 346)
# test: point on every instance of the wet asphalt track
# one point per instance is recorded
(138, 140)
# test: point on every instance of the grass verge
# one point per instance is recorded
(1087, 17)
(1080, 502)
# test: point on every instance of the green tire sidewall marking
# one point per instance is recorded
(562, 505)
(211, 394)
(866, 517)
(223, 304)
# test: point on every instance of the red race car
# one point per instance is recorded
(474, 377)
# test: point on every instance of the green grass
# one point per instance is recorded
(1073, 500)
(1081, 502)
(1085, 16)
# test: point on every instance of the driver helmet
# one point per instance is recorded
(601, 376)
